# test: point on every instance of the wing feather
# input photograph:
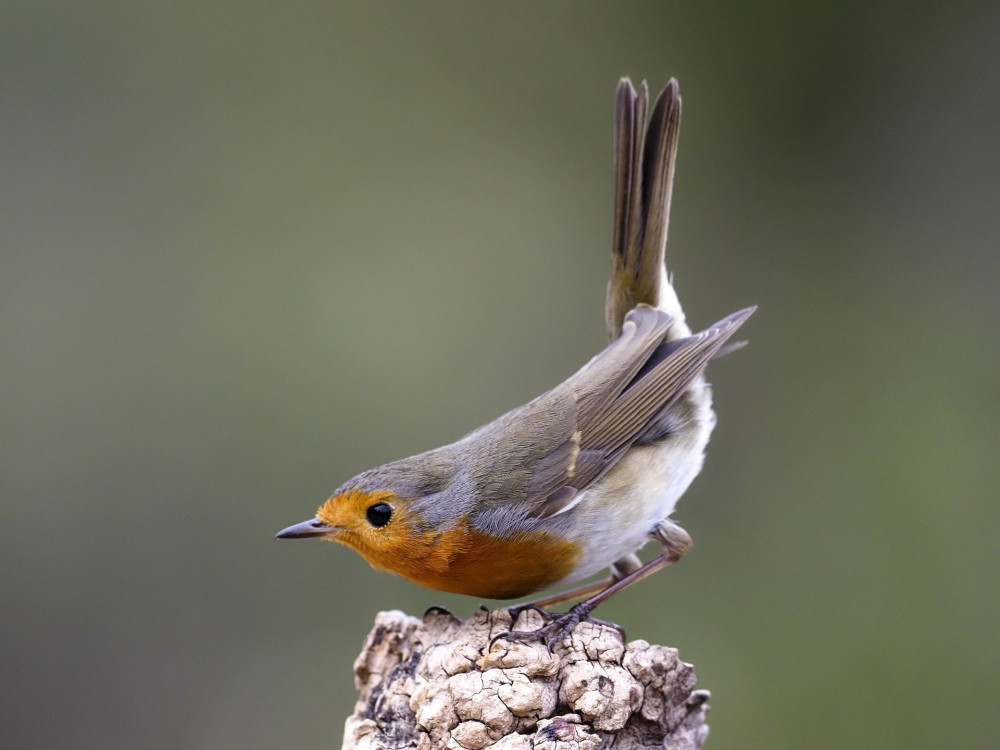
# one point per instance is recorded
(619, 395)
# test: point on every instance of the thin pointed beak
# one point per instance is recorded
(304, 530)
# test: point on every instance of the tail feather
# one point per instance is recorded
(644, 175)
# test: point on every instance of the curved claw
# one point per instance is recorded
(606, 624)
(517, 609)
(436, 609)
(497, 637)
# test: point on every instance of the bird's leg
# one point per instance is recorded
(541, 605)
(619, 569)
(675, 543)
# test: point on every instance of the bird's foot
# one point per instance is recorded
(556, 627)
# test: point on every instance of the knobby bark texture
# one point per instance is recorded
(438, 683)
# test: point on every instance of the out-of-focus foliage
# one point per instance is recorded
(249, 249)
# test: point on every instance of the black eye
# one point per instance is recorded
(379, 514)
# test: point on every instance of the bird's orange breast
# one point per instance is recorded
(496, 567)
(465, 561)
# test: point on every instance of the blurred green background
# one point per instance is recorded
(250, 249)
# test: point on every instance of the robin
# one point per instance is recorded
(586, 474)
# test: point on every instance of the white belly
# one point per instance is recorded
(619, 512)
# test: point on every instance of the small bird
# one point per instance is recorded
(586, 474)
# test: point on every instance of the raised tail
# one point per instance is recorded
(644, 176)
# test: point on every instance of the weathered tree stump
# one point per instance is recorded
(437, 683)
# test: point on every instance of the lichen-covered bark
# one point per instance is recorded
(437, 683)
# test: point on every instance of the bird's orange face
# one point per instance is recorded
(383, 529)
(380, 527)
